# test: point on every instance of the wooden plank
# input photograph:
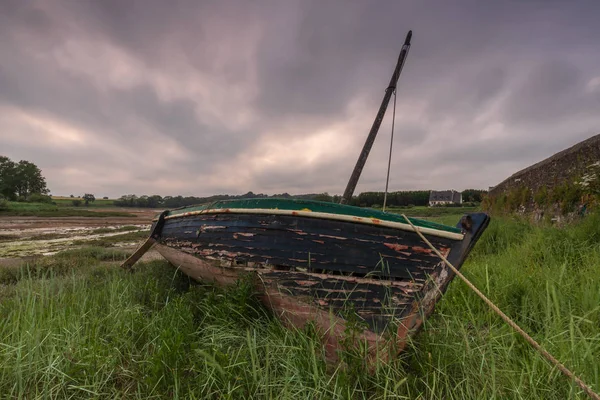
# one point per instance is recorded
(128, 264)
(297, 242)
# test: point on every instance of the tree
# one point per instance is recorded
(88, 198)
(20, 180)
(323, 197)
(29, 179)
(154, 201)
(473, 195)
(7, 178)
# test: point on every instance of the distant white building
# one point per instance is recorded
(438, 198)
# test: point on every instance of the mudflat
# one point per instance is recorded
(34, 236)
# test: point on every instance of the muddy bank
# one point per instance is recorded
(139, 217)
(38, 236)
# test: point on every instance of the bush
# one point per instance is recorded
(452, 205)
(541, 196)
(39, 198)
(3, 204)
(76, 203)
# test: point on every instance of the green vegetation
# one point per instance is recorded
(51, 210)
(3, 204)
(75, 326)
(394, 199)
(566, 197)
(109, 241)
(563, 198)
(126, 228)
(442, 215)
(423, 212)
(68, 202)
(89, 198)
(20, 181)
(365, 199)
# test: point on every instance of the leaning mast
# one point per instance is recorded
(362, 158)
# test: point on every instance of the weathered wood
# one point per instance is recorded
(313, 209)
(309, 269)
(288, 308)
(327, 216)
(326, 245)
(128, 264)
(155, 232)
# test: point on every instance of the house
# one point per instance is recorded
(438, 198)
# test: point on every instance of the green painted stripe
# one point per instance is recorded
(312, 205)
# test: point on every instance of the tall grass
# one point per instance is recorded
(77, 327)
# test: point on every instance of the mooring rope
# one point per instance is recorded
(506, 318)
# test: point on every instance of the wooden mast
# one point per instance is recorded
(362, 158)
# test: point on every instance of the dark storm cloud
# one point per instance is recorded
(553, 89)
(199, 97)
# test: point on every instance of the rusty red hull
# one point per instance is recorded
(322, 271)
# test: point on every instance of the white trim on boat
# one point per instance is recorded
(322, 215)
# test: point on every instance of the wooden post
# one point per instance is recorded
(154, 236)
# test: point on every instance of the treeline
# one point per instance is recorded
(473, 195)
(409, 198)
(156, 201)
(394, 199)
(22, 181)
(365, 199)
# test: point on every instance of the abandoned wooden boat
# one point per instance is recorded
(316, 261)
(322, 262)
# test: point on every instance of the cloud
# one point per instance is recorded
(197, 98)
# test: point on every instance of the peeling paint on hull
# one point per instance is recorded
(310, 270)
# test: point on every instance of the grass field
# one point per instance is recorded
(443, 215)
(75, 326)
(68, 202)
(51, 210)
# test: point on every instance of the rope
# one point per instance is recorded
(510, 322)
(387, 180)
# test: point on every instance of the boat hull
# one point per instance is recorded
(322, 271)
(291, 310)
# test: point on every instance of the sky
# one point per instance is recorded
(210, 97)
